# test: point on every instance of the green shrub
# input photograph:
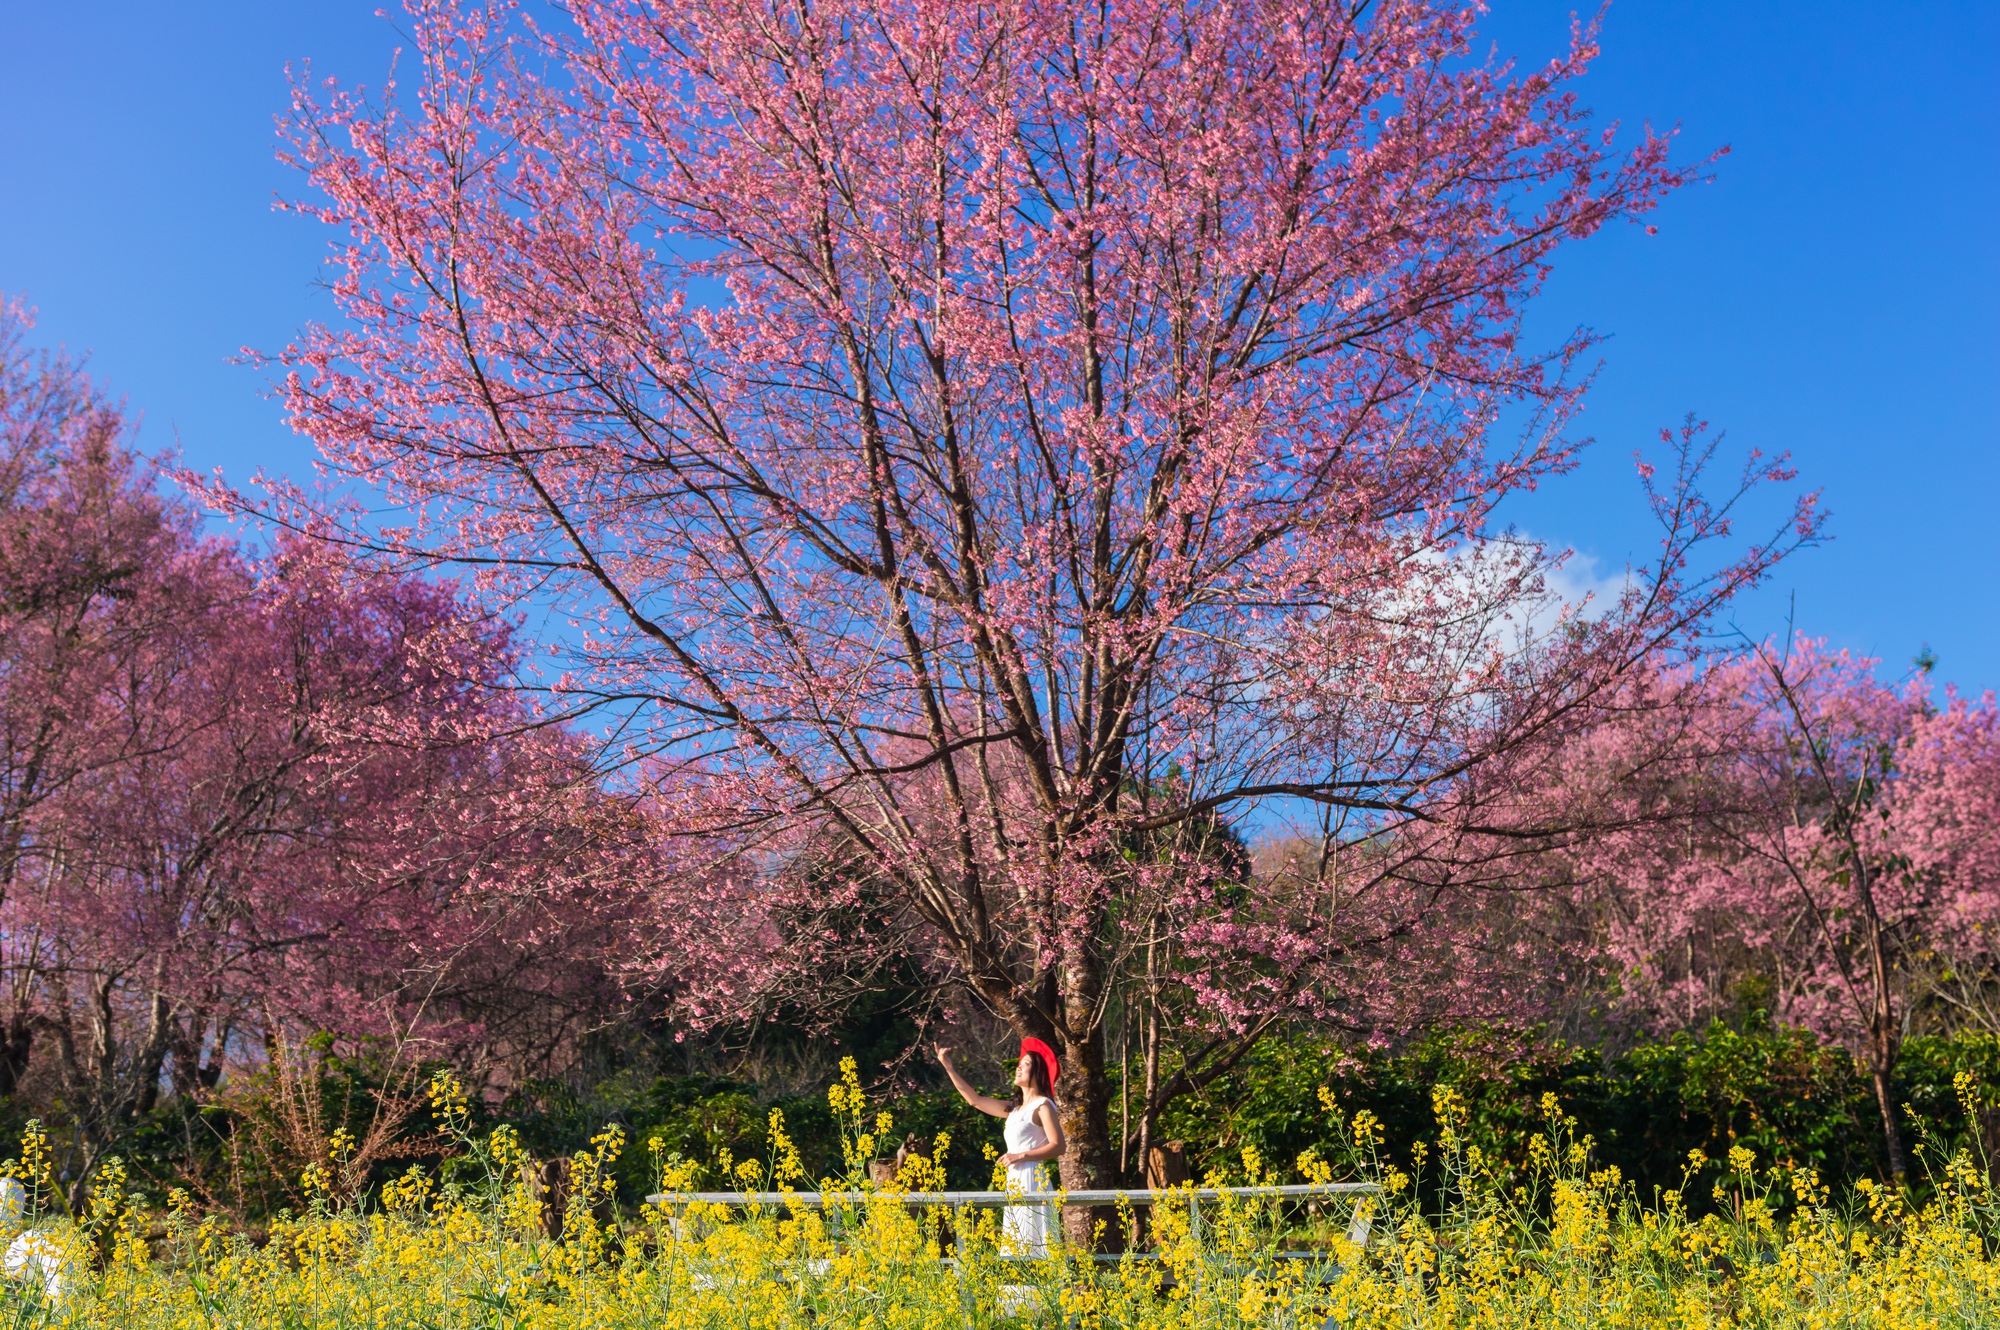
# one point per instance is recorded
(1789, 1098)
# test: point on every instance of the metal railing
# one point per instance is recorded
(818, 1200)
(1357, 1229)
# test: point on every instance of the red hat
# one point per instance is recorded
(1045, 1053)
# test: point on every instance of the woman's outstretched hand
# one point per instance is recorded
(984, 1103)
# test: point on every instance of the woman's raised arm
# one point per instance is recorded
(984, 1103)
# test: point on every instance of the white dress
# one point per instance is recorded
(1024, 1229)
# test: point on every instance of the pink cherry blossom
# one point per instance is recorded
(975, 440)
(251, 797)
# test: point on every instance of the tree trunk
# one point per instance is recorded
(1884, 1038)
(1149, 1053)
(186, 1072)
(1892, 1135)
(1088, 1159)
(1124, 1095)
(15, 1048)
(152, 1058)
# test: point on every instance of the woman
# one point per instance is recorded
(1034, 1136)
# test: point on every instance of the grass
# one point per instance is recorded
(1548, 1242)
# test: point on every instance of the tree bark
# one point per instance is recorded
(16, 1046)
(1087, 1159)
(1885, 1043)
(1151, 1056)
(1892, 1134)
(1124, 1095)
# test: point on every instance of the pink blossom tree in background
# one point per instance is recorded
(249, 799)
(100, 575)
(1827, 833)
(980, 445)
(91, 564)
(1945, 823)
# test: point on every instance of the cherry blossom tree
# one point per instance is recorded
(1828, 831)
(92, 564)
(248, 799)
(1945, 823)
(967, 438)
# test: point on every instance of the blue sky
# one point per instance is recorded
(1834, 293)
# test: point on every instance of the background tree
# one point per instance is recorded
(92, 563)
(940, 420)
(1828, 838)
(1945, 822)
(248, 799)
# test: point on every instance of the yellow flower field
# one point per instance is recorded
(1552, 1245)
